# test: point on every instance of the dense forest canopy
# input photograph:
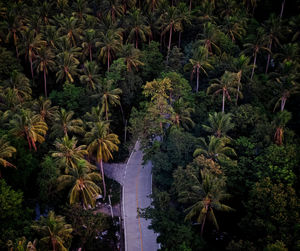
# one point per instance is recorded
(211, 89)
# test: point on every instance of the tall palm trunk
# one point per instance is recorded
(179, 39)
(190, 8)
(136, 39)
(90, 51)
(31, 67)
(283, 101)
(254, 64)
(282, 8)
(269, 55)
(103, 179)
(223, 101)
(170, 37)
(203, 223)
(45, 83)
(108, 59)
(197, 86)
(238, 89)
(53, 241)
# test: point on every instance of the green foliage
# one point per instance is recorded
(8, 63)
(71, 98)
(153, 61)
(272, 213)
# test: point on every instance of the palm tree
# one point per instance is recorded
(91, 76)
(108, 96)
(280, 121)
(184, 17)
(110, 43)
(182, 114)
(285, 84)
(68, 154)
(54, 231)
(69, 27)
(206, 197)
(170, 20)
(255, 47)
(113, 8)
(81, 9)
(102, 143)
(131, 57)
(89, 40)
(43, 107)
(51, 35)
(96, 115)
(138, 28)
(210, 37)
(215, 148)
(20, 84)
(6, 151)
(273, 31)
(67, 66)
(21, 244)
(29, 125)
(199, 62)
(219, 124)
(234, 27)
(45, 62)
(228, 84)
(63, 123)
(31, 43)
(15, 25)
(84, 189)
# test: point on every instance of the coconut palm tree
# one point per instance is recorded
(273, 31)
(112, 8)
(171, 20)
(285, 84)
(20, 84)
(42, 106)
(234, 26)
(209, 38)
(101, 144)
(67, 66)
(226, 85)
(63, 123)
(89, 41)
(182, 114)
(68, 154)
(83, 186)
(54, 231)
(199, 63)
(256, 46)
(206, 196)
(215, 148)
(131, 57)
(96, 115)
(80, 9)
(29, 125)
(44, 63)
(110, 43)
(138, 29)
(219, 124)
(31, 42)
(6, 151)
(51, 35)
(91, 76)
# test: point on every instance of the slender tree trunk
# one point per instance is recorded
(90, 51)
(170, 37)
(282, 8)
(45, 83)
(197, 86)
(136, 39)
(108, 59)
(254, 64)
(203, 223)
(269, 56)
(103, 179)
(179, 39)
(190, 5)
(238, 89)
(223, 101)
(31, 67)
(283, 100)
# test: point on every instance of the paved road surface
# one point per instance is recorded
(136, 189)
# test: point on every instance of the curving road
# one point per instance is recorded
(137, 187)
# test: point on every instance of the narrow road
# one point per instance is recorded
(136, 190)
